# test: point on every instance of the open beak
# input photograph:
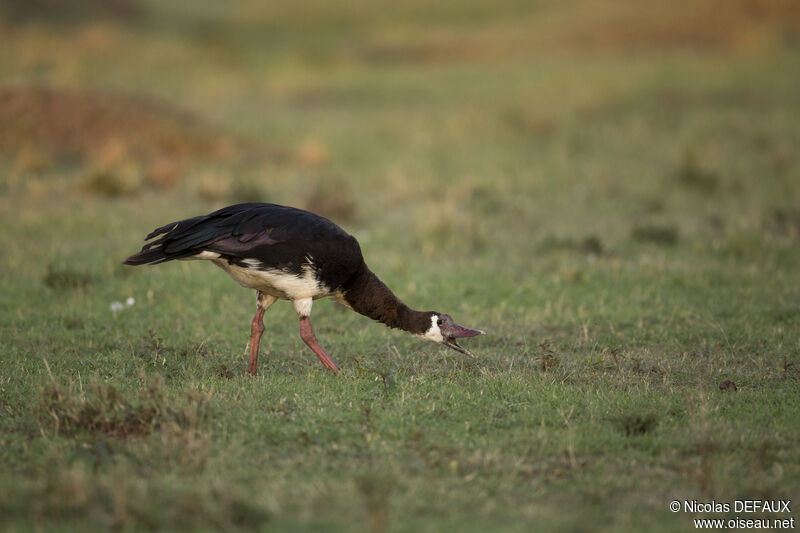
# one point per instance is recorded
(454, 332)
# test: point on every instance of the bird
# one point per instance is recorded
(286, 253)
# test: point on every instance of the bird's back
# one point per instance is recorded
(260, 237)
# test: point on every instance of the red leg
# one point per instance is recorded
(308, 336)
(256, 329)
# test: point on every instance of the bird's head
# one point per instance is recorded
(445, 331)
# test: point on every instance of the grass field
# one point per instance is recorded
(610, 189)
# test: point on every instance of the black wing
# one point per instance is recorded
(274, 236)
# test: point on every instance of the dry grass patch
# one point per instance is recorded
(126, 142)
(102, 409)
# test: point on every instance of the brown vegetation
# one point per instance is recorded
(90, 124)
(104, 410)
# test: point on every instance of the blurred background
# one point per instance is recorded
(576, 123)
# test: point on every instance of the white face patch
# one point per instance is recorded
(434, 334)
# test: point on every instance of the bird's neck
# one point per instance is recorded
(365, 293)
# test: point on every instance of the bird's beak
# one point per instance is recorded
(453, 332)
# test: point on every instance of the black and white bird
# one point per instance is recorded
(290, 254)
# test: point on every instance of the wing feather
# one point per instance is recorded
(252, 230)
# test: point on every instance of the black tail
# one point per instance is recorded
(185, 238)
(162, 249)
(144, 257)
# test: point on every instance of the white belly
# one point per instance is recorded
(277, 283)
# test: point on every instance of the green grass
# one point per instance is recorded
(616, 206)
